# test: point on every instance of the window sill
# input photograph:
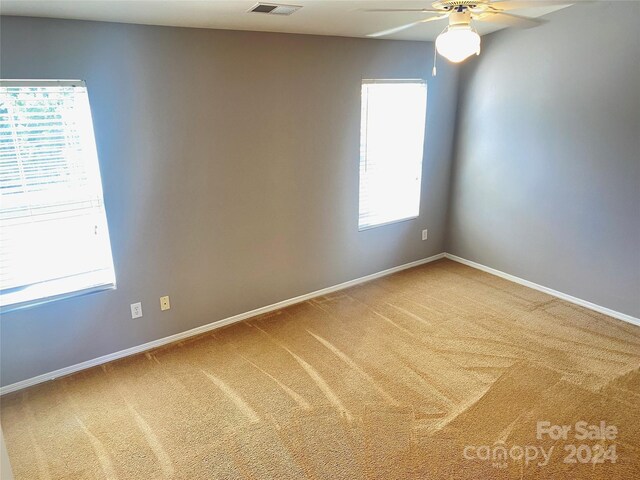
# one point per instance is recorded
(390, 222)
(54, 290)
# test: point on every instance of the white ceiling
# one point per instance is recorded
(319, 17)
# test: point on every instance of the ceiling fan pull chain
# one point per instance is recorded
(435, 57)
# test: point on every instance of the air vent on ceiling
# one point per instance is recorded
(274, 8)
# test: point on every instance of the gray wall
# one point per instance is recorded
(547, 171)
(230, 170)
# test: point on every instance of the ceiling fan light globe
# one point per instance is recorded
(458, 43)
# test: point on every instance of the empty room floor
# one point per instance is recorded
(391, 379)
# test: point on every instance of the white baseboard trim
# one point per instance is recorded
(578, 301)
(285, 303)
(208, 327)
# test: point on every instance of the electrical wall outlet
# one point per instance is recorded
(164, 303)
(424, 234)
(136, 310)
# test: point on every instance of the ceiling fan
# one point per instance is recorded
(459, 40)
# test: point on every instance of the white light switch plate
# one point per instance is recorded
(424, 234)
(164, 303)
(136, 310)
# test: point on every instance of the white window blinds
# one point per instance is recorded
(53, 231)
(391, 148)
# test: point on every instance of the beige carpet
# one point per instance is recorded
(424, 374)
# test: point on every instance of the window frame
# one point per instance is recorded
(419, 81)
(81, 292)
(56, 287)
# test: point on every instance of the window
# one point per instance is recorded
(54, 239)
(391, 145)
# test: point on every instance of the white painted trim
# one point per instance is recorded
(5, 465)
(578, 301)
(210, 326)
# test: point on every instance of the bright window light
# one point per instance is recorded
(54, 238)
(391, 146)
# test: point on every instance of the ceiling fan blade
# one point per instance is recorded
(408, 25)
(516, 4)
(394, 30)
(438, 17)
(387, 10)
(510, 19)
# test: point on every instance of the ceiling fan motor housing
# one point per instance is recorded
(460, 18)
(460, 5)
